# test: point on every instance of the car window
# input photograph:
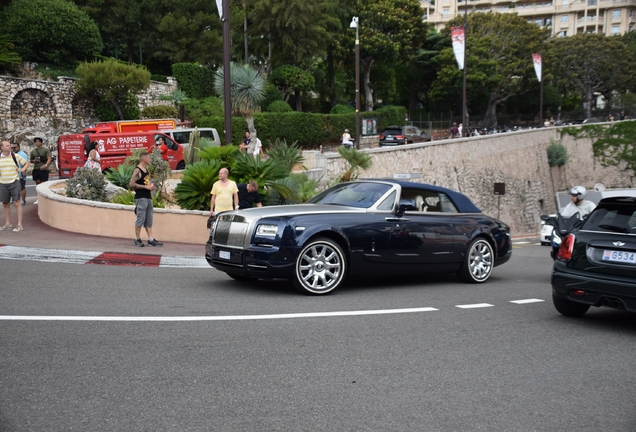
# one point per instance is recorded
(429, 201)
(392, 132)
(181, 137)
(207, 134)
(362, 195)
(388, 202)
(620, 219)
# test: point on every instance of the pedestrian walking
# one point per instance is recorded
(40, 157)
(15, 147)
(224, 194)
(143, 187)
(10, 184)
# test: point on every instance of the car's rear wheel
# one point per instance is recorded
(320, 267)
(478, 263)
(181, 165)
(569, 308)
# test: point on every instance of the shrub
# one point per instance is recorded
(129, 106)
(195, 80)
(121, 175)
(285, 155)
(193, 191)
(124, 197)
(557, 154)
(224, 155)
(195, 109)
(279, 106)
(160, 78)
(159, 111)
(272, 94)
(88, 184)
(342, 109)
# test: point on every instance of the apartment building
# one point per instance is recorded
(563, 17)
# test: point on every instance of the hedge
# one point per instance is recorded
(310, 130)
(196, 81)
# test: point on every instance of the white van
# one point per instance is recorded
(182, 136)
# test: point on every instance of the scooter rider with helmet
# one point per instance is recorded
(578, 204)
(578, 208)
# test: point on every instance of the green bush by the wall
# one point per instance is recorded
(279, 106)
(159, 111)
(309, 130)
(207, 107)
(129, 107)
(195, 80)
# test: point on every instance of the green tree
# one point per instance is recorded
(51, 31)
(7, 55)
(357, 160)
(587, 63)
(292, 79)
(499, 59)
(391, 30)
(298, 30)
(111, 81)
(247, 91)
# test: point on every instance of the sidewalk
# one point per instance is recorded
(37, 234)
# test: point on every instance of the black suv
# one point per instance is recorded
(396, 135)
(596, 265)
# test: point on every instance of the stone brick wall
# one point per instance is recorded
(473, 165)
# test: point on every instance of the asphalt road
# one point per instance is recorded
(248, 365)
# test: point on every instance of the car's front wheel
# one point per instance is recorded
(320, 267)
(478, 263)
(569, 308)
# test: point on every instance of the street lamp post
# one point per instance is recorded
(224, 13)
(354, 24)
(465, 126)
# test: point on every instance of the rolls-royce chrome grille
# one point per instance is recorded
(231, 230)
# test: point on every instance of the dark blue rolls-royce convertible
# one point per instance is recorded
(360, 228)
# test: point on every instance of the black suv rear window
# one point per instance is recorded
(392, 132)
(620, 218)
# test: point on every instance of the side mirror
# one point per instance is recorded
(545, 217)
(406, 205)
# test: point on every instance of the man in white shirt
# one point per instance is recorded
(579, 204)
(346, 139)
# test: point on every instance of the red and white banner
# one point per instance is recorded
(459, 45)
(536, 60)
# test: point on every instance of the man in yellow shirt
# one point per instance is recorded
(224, 194)
(10, 184)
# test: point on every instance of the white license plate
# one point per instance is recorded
(616, 256)
(224, 255)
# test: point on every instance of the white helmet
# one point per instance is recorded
(580, 191)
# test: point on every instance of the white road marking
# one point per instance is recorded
(474, 306)
(183, 262)
(520, 242)
(526, 301)
(214, 318)
(47, 255)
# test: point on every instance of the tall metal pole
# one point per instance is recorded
(227, 95)
(357, 86)
(465, 128)
(541, 95)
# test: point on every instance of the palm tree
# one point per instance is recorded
(177, 97)
(247, 89)
(356, 161)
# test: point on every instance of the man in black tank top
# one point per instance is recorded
(140, 183)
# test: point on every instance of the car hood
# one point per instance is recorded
(296, 210)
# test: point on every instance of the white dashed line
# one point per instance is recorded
(526, 301)
(215, 318)
(474, 306)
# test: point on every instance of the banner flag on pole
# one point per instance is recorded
(457, 36)
(536, 59)
(219, 6)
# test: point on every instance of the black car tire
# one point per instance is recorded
(478, 263)
(569, 308)
(320, 267)
(240, 278)
(181, 165)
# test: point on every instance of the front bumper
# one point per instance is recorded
(256, 261)
(617, 292)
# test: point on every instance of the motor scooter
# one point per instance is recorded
(562, 227)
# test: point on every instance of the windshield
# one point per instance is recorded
(362, 195)
(613, 218)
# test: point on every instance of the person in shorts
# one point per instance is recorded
(10, 184)
(41, 159)
(15, 147)
(143, 187)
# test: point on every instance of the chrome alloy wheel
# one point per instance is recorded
(320, 267)
(480, 260)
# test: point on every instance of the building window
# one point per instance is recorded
(631, 13)
(446, 12)
(616, 13)
(564, 18)
(565, 2)
(592, 2)
(563, 33)
(616, 29)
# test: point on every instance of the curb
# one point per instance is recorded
(100, 258)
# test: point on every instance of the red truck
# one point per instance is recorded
(123, 126)
(113, 148)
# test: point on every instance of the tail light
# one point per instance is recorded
(565, 250)
(381, 137)
(399, 136)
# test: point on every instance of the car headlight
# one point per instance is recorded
(267, 230)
